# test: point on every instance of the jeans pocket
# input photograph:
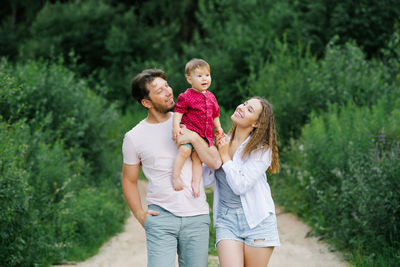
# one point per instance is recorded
(147, 221)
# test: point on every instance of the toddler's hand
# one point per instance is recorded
(219, 133)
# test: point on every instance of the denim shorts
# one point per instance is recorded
(231, 224)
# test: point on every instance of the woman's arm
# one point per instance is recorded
(242, 177)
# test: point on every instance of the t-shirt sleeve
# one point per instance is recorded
(129, 153)
(181, 104)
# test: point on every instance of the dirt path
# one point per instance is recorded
(128, 249)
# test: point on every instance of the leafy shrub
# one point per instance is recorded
(88, 218)
(111, 43)
(81, 26)
(14, 196)
(235, 38)
(342, 179)
(50, 97)
(34, 178)
(369, 23)
(296, 84)
(53, 206)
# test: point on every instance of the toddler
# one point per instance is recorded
(196, 108)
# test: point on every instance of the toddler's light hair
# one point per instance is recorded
(194, 64)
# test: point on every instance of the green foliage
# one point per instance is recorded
(14, 17)
(111, 42)
(35, 176)
(370, 23)
(211, 242)
(132, 46)
(284, 81)
(88, 218)
(81, 26)
(60, 140)
(342, 178)
(53, 206)
(50, 97)
(235, 37)
(15, 219)
(391, 54)
(296, 84)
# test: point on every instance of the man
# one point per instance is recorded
(176, 221)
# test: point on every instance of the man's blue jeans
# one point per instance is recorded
(167, 234)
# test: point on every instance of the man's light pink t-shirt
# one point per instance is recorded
(153, 147)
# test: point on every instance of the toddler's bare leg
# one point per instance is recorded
(183, 153)
(197, 172)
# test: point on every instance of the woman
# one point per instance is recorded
(244, 212)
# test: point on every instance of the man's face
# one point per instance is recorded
(161, 96)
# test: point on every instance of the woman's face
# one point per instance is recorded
(247, 114)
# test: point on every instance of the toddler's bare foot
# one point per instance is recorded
(196, 188)
(177, 184)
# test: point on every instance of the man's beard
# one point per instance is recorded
(162, 109)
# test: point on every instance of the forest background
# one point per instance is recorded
(330, 68)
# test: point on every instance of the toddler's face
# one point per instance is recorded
(200, 79)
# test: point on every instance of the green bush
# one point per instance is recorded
(369, 23)
(342, 178)
(81, 26)
(49, 96)
(87, 219)
(34, 177)
(110, 43)
(296, 84)
(54, 207)
(235, 38)
(17, 231)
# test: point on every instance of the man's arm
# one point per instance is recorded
(207, 155)
(130, 175)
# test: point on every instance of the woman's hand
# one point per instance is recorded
(223, 147)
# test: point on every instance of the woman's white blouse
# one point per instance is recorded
(247, 178)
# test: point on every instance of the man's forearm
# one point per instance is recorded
(207, 155)
(132, 198)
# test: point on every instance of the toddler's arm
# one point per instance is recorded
(217, 126)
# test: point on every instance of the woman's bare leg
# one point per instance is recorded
(257, 257)
(230, 253)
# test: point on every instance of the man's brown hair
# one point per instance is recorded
(139, 90)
